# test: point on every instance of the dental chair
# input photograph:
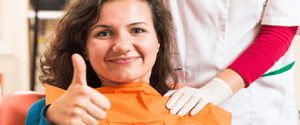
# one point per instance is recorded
(14, 106)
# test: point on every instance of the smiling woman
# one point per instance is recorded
(101, 37)
(121, 41)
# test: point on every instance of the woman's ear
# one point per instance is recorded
(158, 46)
(158, 43)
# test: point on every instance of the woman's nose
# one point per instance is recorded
(122, 44)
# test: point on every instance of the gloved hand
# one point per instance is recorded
(187, 98)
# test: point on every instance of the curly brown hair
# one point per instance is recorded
(72, 34)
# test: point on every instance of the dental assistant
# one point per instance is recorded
(225, 47)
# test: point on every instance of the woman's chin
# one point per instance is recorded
(117, 78)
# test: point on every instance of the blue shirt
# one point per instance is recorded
(36, 115)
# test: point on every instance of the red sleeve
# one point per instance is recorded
(270, 45)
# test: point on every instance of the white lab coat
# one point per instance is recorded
(213, 33)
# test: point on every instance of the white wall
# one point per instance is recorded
(297, 70)
(14, 53)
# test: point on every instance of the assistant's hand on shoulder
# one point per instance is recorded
(192, 99)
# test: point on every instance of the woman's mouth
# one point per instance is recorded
(123, 60)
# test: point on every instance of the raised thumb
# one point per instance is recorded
(79, 76)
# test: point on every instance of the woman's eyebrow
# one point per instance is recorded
(105, 26)
(133, 24)
(137, 23)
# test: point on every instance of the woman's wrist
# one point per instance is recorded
(46, 114)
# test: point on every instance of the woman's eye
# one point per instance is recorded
(136, 31)
(104, 34)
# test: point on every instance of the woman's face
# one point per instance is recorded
(123, 45)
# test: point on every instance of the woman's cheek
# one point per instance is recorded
(149, 45)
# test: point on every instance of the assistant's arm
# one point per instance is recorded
(270, 45)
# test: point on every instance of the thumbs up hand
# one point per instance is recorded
(81, 104)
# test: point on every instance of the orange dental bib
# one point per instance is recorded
(140, 104)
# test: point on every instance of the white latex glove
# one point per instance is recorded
(187, 98)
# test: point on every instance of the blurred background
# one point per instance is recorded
(21, 47)
(20, 44)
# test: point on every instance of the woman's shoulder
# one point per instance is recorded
(39, 104)
(36, 113)
(178, 85)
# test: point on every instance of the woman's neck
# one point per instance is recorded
(106, 83)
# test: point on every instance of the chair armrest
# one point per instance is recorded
(15, 106)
